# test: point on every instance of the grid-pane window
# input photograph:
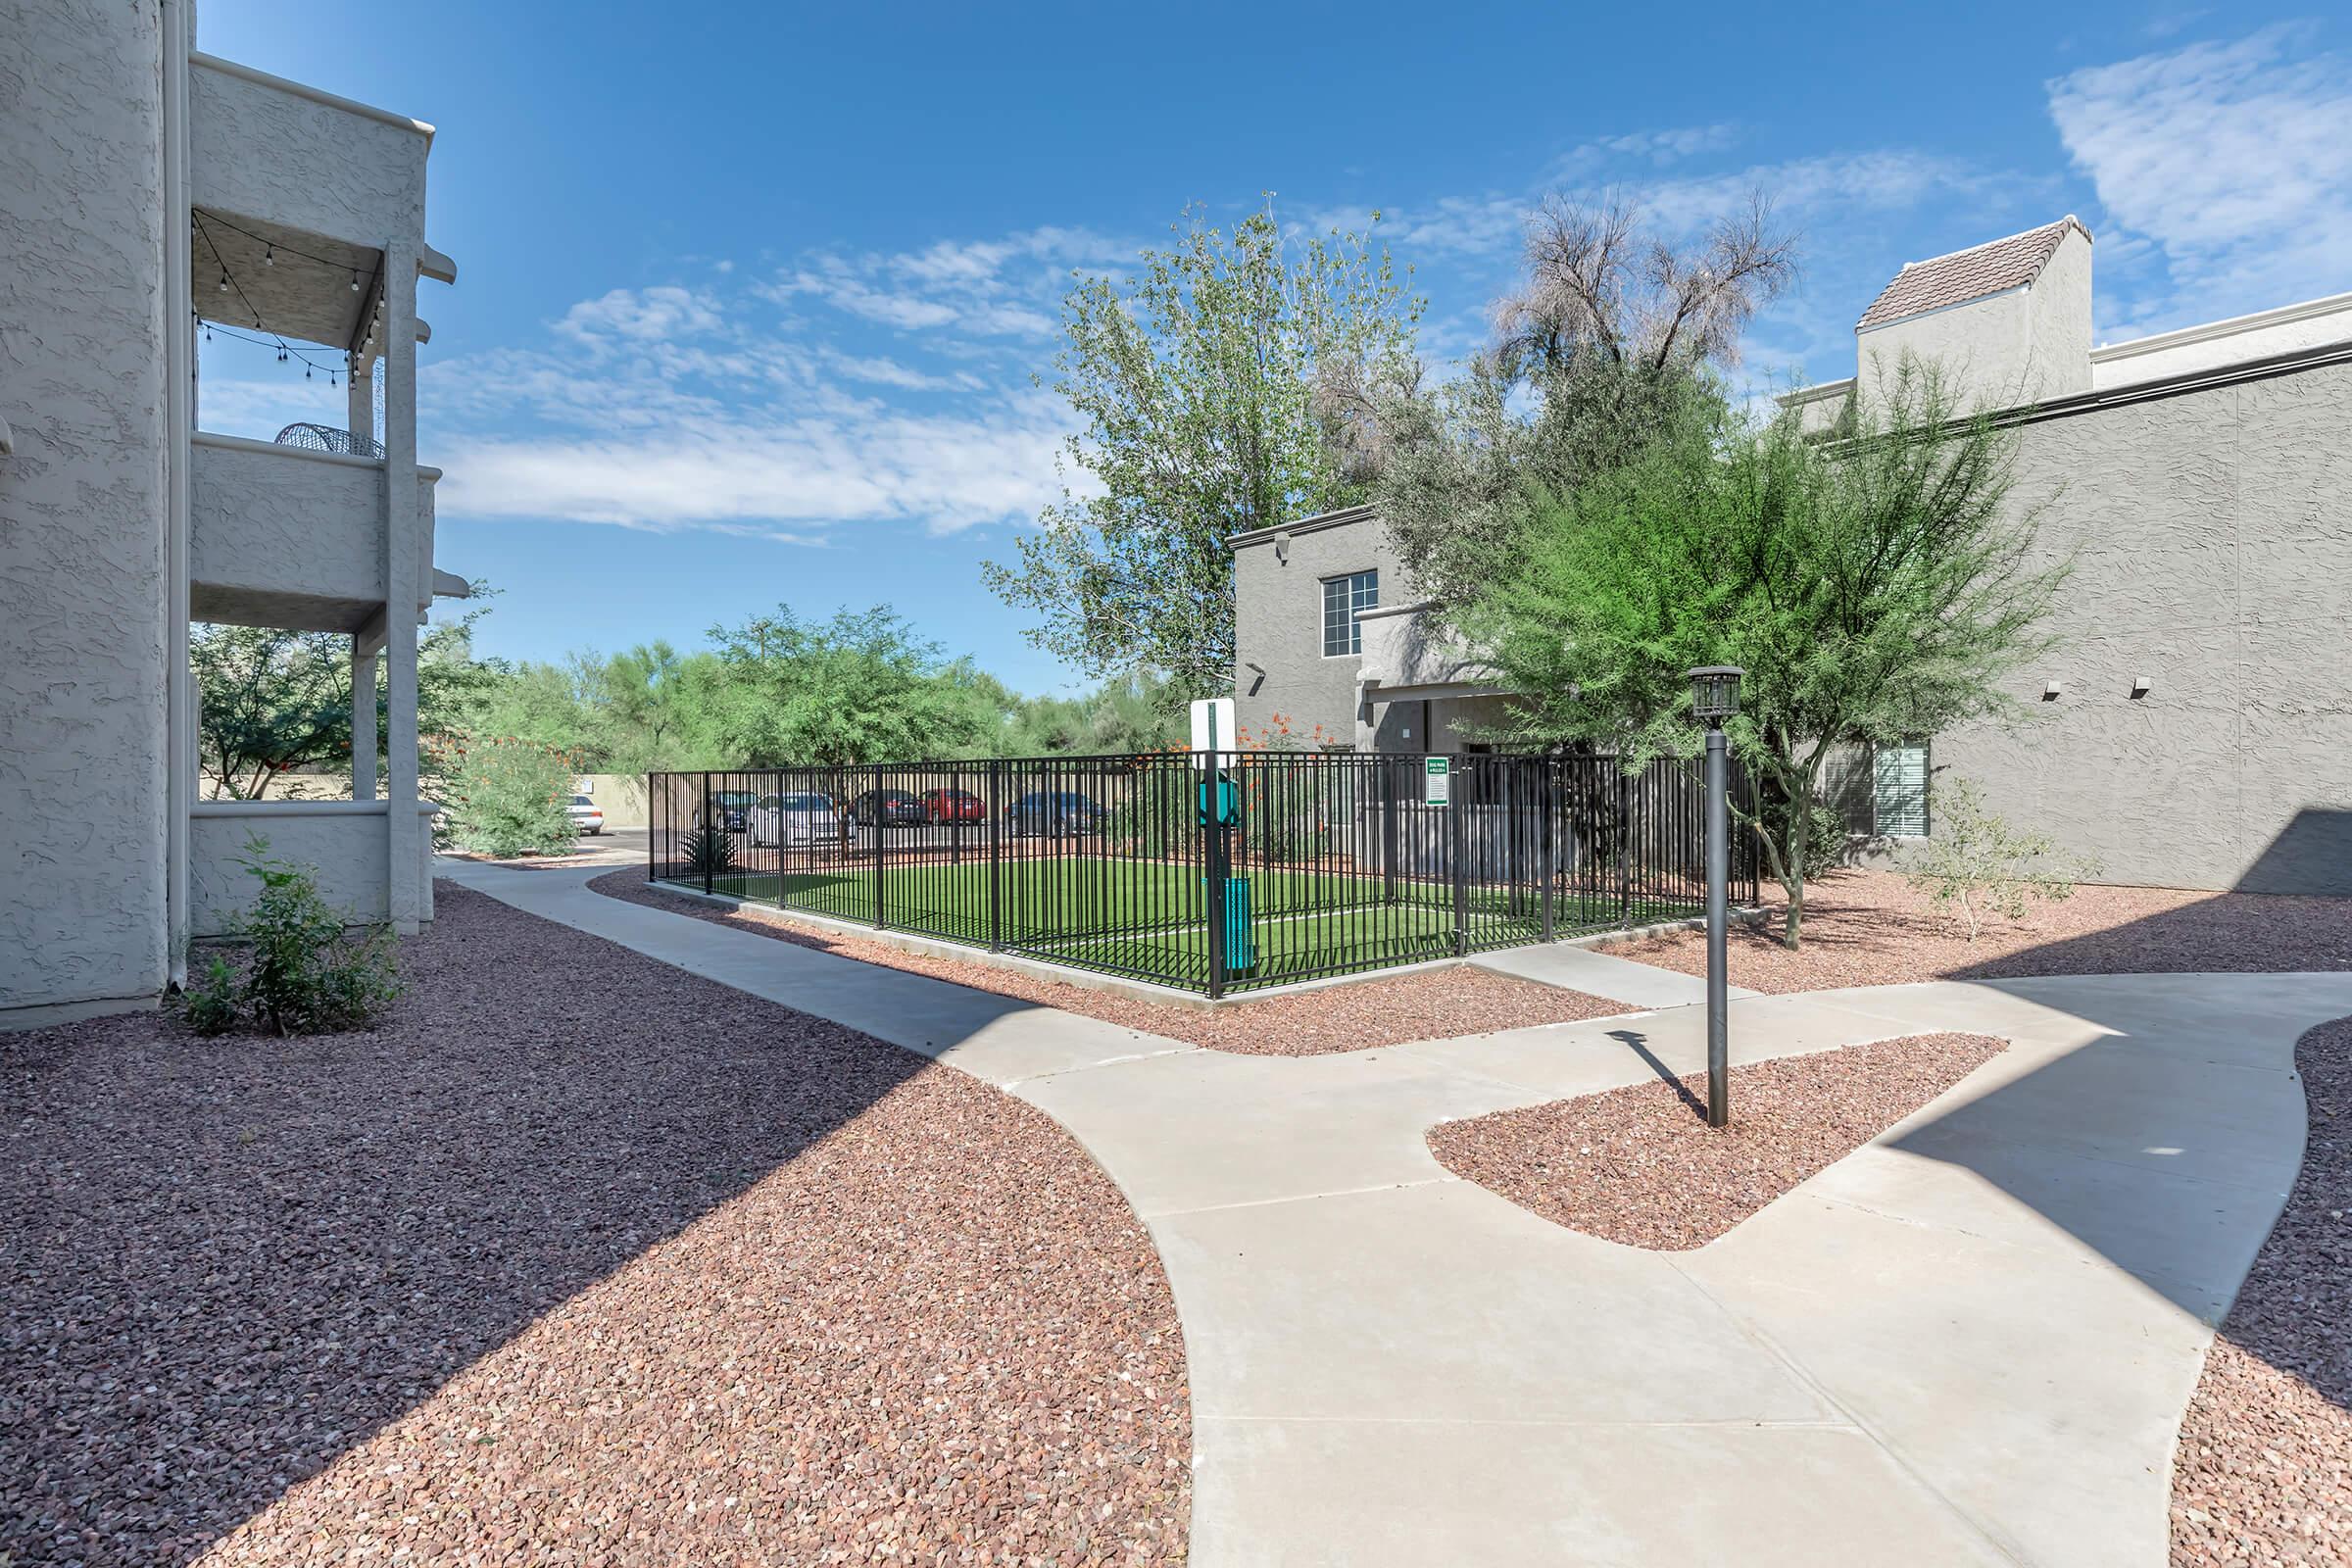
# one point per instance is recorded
(1899, 792)
(1344, 599)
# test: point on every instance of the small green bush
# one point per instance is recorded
(1977, 864)
(514, 797)
(302, 975)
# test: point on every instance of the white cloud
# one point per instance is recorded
(999, 289)
(641, 314)
(789, 477)
(2234, 159)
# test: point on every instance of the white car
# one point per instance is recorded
(781, 819)
(586, 815)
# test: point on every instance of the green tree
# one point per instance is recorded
(858, 688)
(1876, 590)
(513, 797)
(270, 702)
(1229, 385)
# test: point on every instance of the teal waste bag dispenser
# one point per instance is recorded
(1220, 812)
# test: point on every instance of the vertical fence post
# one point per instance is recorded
(710, 844)
(1546, 835)
(877, 813)
(1215, 851)
(652, 861)
(1625, 844)
(995, 812)
(1462, 872)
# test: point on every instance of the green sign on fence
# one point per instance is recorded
(1438, 788)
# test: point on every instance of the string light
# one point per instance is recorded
(228, 283)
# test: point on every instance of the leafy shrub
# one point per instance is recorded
(710, 852)
(1975, 862)
(514, 797)
(302, 975)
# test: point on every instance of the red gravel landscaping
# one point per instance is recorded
(1639, 1165)
(576, 1258)
(2264, 1470)
(1429, 1005)
(1869, 928)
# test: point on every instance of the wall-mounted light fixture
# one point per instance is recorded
(1282, 548)
(2140, 687)
(1258, 670)
(2053, 689)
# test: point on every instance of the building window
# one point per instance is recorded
(1898, 795)
(1343, 599)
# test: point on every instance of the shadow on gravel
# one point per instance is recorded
(229, 1261)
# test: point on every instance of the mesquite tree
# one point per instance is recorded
(1614, 322)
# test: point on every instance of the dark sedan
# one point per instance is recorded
(894, 807)
(731, 809)
(1055, 813)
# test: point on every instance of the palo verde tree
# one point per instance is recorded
(861, 687)
(1614, 321)
(1228, 384)
(1875, 590)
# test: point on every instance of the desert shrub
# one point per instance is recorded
(1977, 864)
(710, 852)
(302, 974)
(514, 797)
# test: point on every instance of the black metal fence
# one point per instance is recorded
(1217, 872)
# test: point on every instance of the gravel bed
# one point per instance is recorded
(2264, 1470)
(576, 1258)
(1869, 928)
(1639, 1165)
(1430, 1004)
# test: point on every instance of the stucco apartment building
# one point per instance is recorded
(2192, 728)
(145, 188)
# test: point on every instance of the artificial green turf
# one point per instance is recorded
(1146, 917)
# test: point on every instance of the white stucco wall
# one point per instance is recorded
(343, 842)
(83, 631)
(2306, 326)
(283, 520)
(275, 152)
(2027, 345)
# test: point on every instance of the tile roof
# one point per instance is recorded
(1969, 275)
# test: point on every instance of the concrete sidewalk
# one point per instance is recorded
(1969, 1342)
(1603, 974)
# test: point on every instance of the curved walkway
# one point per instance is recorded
(1970, 1342)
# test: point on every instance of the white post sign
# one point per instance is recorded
(1212, 728)
(1437, 782)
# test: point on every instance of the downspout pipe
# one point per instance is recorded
(180, 415)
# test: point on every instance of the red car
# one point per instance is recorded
(954, 806)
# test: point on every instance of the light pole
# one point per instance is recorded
(1714, 698)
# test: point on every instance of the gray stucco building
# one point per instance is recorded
(145, 186)
(2194, 727)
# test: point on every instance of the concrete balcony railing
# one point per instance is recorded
(1403, 652)
(344, 843)
(287, 537)
(288, 154)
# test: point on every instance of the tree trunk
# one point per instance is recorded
(1792, 872)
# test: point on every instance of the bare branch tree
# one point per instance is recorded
(1602, 282)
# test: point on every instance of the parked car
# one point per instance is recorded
(895, 809)
(954, 806)
(1054, 811)
(781, 819)
(731, 809)
(586, 815)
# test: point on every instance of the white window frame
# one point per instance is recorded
(1348, 583)
(1879, 785)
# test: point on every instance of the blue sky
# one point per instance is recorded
(750, 297)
